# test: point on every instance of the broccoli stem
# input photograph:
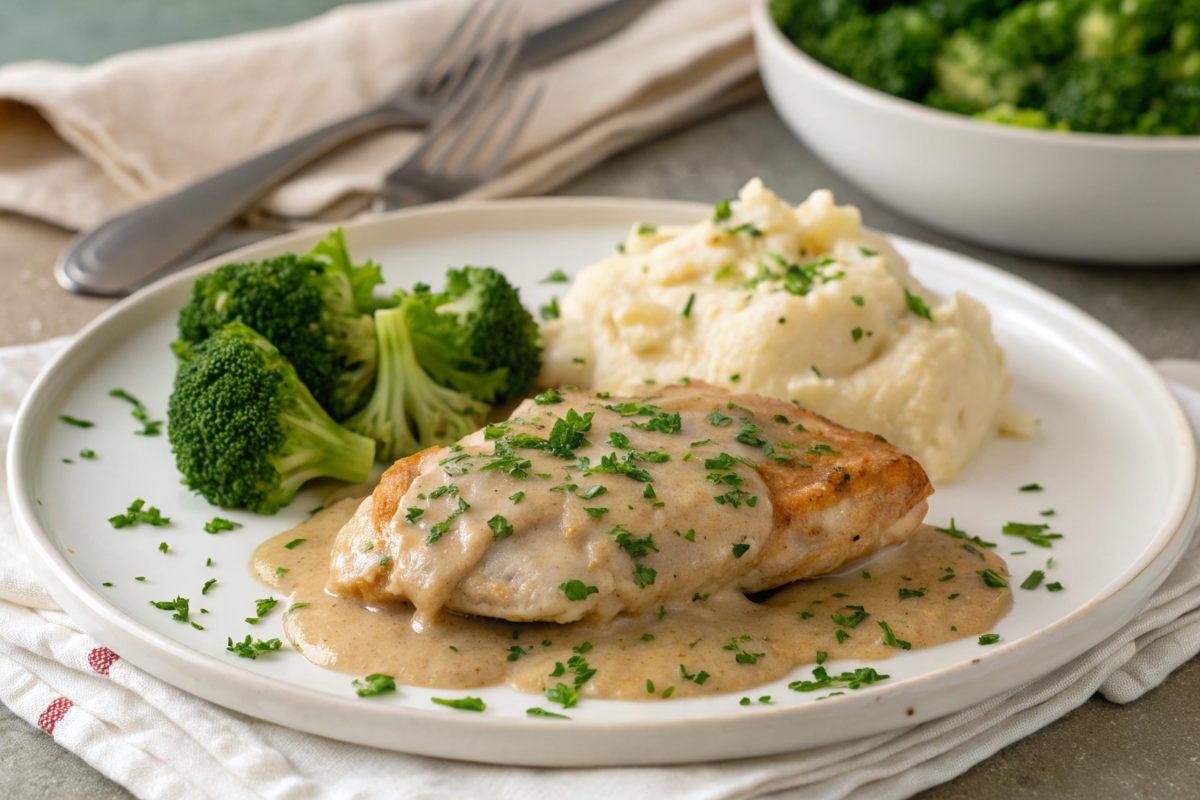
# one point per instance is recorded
(316, 446)
(408, 410)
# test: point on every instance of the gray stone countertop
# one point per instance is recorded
(1148, 749)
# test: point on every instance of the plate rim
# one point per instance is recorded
(54, 569)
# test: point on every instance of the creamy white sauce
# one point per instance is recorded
(677, 637)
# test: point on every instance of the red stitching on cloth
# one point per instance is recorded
(53, 713)
(101, 659)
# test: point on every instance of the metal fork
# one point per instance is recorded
(129, 250)
(463, 152)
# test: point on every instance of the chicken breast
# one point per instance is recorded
(589, 505)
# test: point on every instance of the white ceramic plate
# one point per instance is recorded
(1115, 456)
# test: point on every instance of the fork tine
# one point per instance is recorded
(509, 138)
(426, 68)
(495, 22)
(492, 72)
(473, 134)
(472, 97)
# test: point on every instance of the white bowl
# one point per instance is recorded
(1130, 200)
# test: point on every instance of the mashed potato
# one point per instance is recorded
(798, 303)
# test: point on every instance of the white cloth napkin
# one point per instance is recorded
(80, 144)
(162, 743)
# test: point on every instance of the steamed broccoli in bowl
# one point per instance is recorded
(247, 432)
(1099, 66)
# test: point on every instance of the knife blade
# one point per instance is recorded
(595, 23)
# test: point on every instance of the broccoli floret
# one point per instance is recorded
(475, 336)
(958, 13)
(971, 77)
(893, 51)
(314, 308)
(1102, 95)
(409, 410)
(245, 430)
(1038, 32)
(806, 22)
(1008, 114)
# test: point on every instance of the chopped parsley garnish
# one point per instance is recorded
(1054, 587)
(1032, 533)
(87, 453)
(515, 652)
(162, 547)
(722, 211)
(858, 301)
(280, 571)
(541, 712)
(295, 607)
(261, 608)
(500, 527)
(740, 550)
(667, 692)
(850, 621)
(992, 578)
(847, 680)
(648, 492)
(197, 626)
(218, 524)
(687, 309)
(699, 598)
(856, 334)
(917, 306)
(1034, 580)
(646, 230)
(840, 635)
(556, 276)
(957, 534)
(890, 639)
(1031, 487)
(643, 576)
(661, 422)
(989, 638)
(907, 593)
(595, 513)
(413, 513)
(609, 465)
(179, 605)
(1049, 512)
(462, 704)
(718, 419)
(78, 423)
(437, 531)
(208, 584)
(548, 397)
(550, 310)
(822, 449)
(516, 498)
(106, 583)
(137, 513)
(373, 684)
(294, 542)
(245, 649)
(577, 590)
(149, 428)
(561, 693)
(806, 615)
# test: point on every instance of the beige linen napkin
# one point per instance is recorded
(80, 144)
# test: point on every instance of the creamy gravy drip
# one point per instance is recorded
(461, 652)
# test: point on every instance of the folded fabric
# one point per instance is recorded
(160, 742)
(80, 144)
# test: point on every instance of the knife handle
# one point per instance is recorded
(127, 251)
